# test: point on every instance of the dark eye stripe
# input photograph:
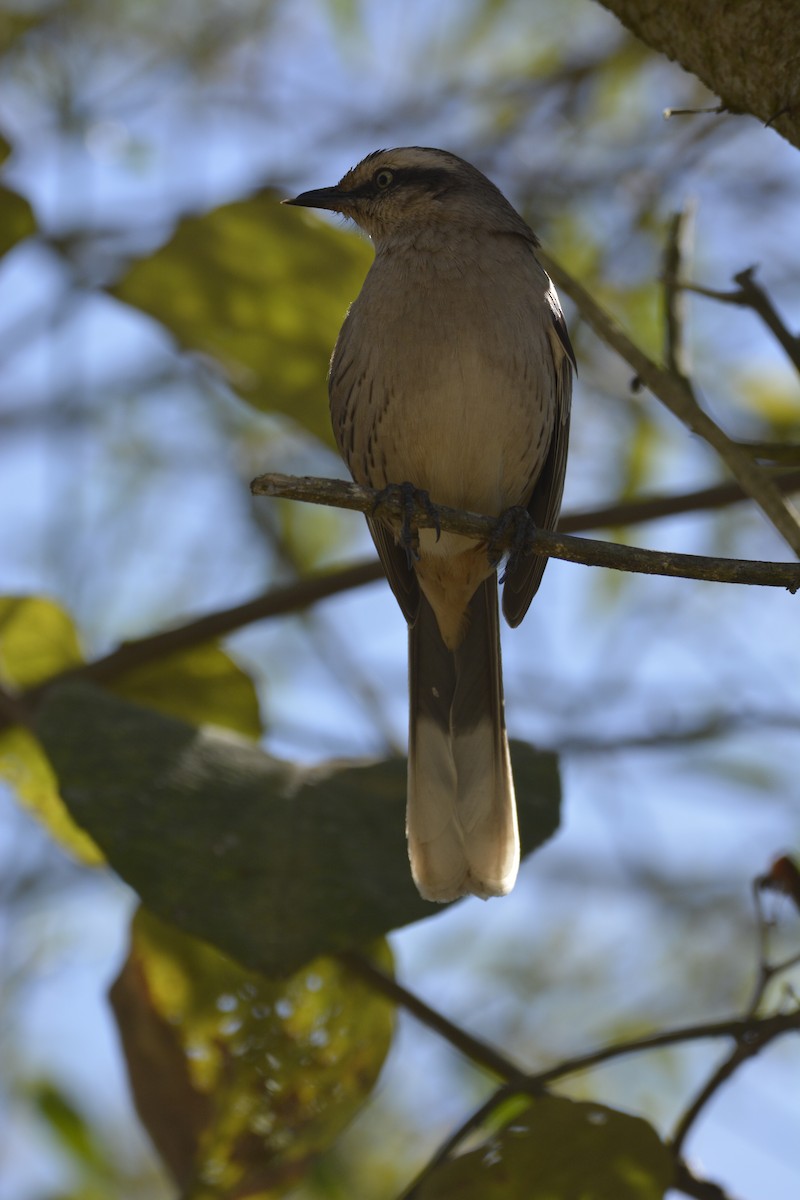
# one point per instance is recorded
(433, 179)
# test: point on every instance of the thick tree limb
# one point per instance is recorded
(676, 394)
(747, 53)
(338, 494)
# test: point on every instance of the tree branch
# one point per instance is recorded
(295, 597)
(274, 603)
(679, 234)
(750, 1029)
(676, 394)
(352, 496)
(750, 294)
(473, 1048)
(654, 508)
(707, 39)
(751, 1034)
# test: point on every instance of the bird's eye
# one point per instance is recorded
(383, 178)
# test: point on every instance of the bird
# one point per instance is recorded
(452, 376)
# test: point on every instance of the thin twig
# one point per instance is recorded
(275, 603)
(785, 454)
(589, 552)
(684, 1179)
(750, 294)
(451, 1143)
(679, 235)
(751, 1038)
(750, 1034)
(654, 508)
(479, 1052)
(699, 1189)
(677, 395)
(761, 1029)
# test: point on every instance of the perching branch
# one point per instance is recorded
(296, 597)
(337, 494)
(677, 394)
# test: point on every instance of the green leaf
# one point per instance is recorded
(202, 685)
(69, 1127)
(241, 1082)
(16, 219)
(37, 639)
(272, 864)
(25, 767)
(560, 1150)
(263, 290)
(14, 25)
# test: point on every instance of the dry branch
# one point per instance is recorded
(338, 494)
(676, 394)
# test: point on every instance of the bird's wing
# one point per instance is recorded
(524, 575)
(402, 578)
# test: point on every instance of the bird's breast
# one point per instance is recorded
(444, 377)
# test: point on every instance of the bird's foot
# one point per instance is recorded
(510, 536)
(408, 499)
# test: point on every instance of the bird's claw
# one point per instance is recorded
(510, 535)
(408, 498)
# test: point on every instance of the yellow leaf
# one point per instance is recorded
(261, 289)
(24, 766)
(202, 685)
(37, 639)
(239, 1081)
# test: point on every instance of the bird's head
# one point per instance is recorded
(404, 191)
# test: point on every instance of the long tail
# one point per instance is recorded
(462, 817)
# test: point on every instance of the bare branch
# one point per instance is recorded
(479, 1052)
(751, 1030)
(677, 395)
(295, 597)
(274, 603)
(750, 294)
(700, 1189)
(352, 496)
(470, 1125)
(679, 236)
(750, 1033)
(653, 508)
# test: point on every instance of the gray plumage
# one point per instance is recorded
(453, 372)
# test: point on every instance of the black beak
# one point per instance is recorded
(331, 198)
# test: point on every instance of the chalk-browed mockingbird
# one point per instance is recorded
(453, 373)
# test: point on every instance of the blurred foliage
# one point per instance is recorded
(556, 1150)
(240, 1082)
(38, 640)
(271, 863)
(202, 685)
(248, 286)
(16, 219)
